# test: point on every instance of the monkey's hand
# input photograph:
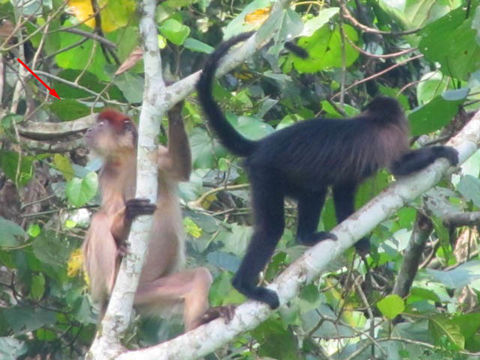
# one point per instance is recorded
(137, 207)
(226, 312)
(122, 250)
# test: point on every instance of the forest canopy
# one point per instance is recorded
(414, 295)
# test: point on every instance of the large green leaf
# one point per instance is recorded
(458, 277)
(391, 306)
(453, 32)
(436, 114)
(80, 191)
(325, 50)
(12, 234)
(441, 326)
(416, 13)
(469, 187)
(174, 31)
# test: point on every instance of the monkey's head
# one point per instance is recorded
(385, 109)
(113, 134)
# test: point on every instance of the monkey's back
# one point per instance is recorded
(335, 151)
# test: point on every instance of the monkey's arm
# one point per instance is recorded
(178, 146)
(415, 160)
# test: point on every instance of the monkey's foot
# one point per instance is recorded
(258, 293)
(226, 312)
(137, 207)
(315, 238)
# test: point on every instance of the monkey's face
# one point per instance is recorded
(112, 136)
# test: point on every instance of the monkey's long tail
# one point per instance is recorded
(229, 137)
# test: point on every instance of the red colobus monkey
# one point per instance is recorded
(163, 283)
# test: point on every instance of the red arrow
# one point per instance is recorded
(51, 91)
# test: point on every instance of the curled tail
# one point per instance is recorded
(229, 137)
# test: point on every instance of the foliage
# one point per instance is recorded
(48, 188)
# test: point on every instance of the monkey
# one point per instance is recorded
(305, 159)
(163, 282)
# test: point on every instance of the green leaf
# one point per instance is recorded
(50, 248)
(469, 187)
(422, 294)
(223, 260)
(458, 277)
(83, 57)
(431, 85)
(276, 341)
(236, 240)
(80, 191)
(27, 319)
(250, 127)
(391, 306)
(174, 31)
(12, 234)
(325, 50)
(222, 291)
(197, 46)
(34, 230)
(310, 293)
(453, 32)
(18, 168)
(69, 109)
(433, 116)
(416, 13)
(315, 23)
(440, 326)
(131, 85)
(63, 164)
(38, 286)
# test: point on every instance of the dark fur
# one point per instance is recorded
(302, 161)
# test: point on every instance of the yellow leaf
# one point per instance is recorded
(258, 16)
(113, 13)
(82, 10)
(191, 228)
(75, 263)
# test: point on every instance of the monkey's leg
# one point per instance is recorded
(310, 206)
(415, 160)
(344, 199)
(189, 286)
(267, 198)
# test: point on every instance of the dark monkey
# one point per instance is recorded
(302, 161)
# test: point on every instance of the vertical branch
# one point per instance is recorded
(119, 310)
(421, 231)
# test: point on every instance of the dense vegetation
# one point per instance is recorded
(426, 53)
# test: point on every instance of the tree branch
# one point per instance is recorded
(411, 260)
(119, 311)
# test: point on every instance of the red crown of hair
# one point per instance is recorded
(114, 117)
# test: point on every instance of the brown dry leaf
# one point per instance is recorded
(258, 16)
(134, 57)
(6, 29)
